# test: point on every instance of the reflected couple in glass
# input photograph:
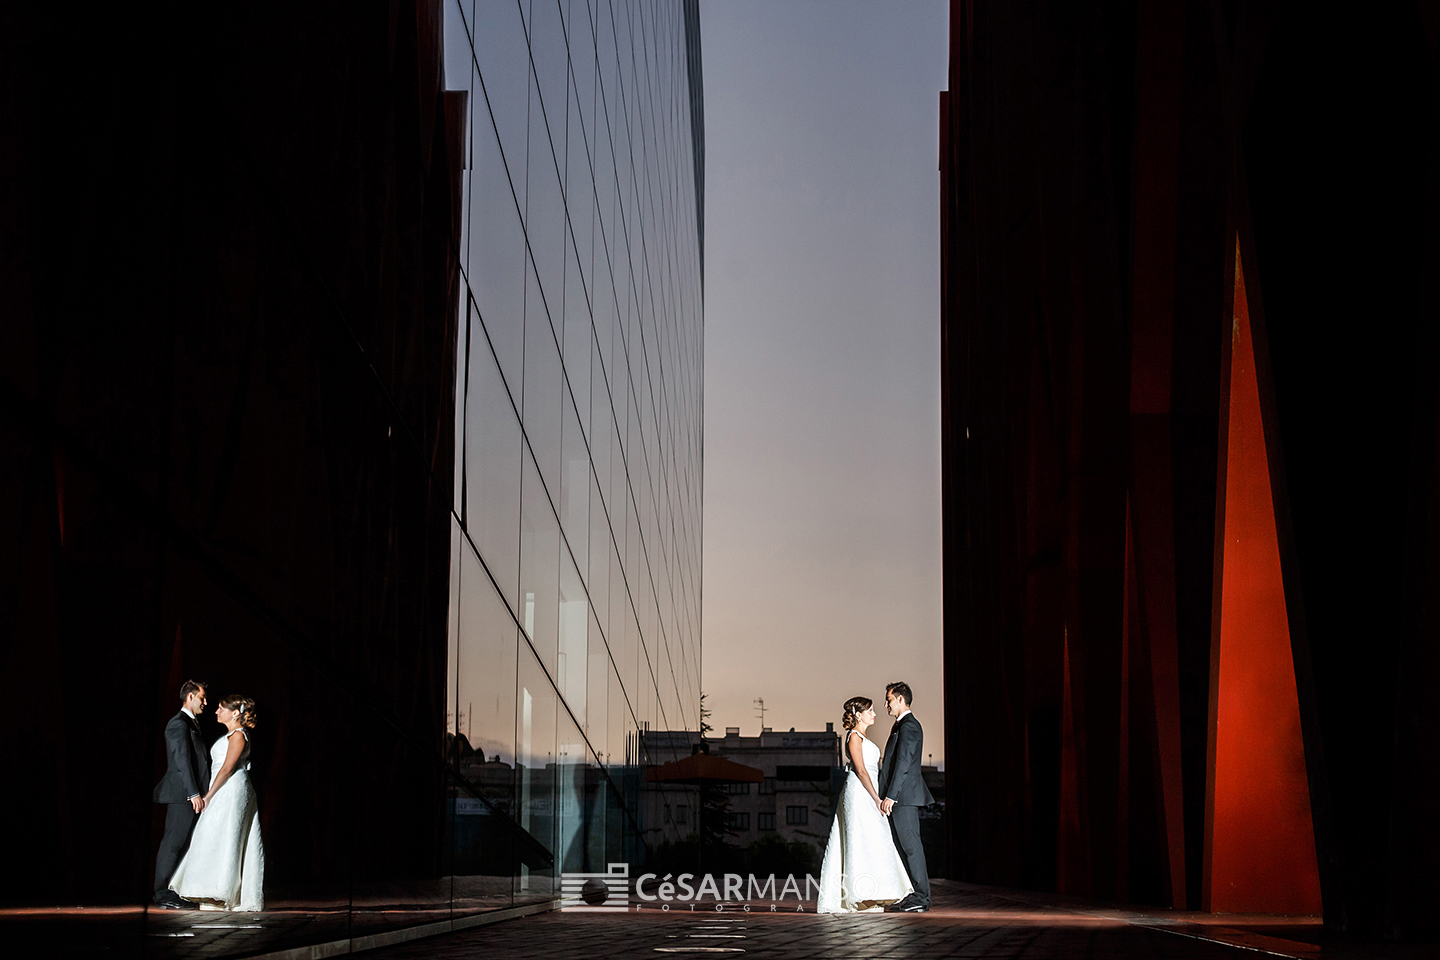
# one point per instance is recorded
(211, 855)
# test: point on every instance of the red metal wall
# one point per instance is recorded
(1260, 854)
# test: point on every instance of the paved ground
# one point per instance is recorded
(969, 922)
(148, 933)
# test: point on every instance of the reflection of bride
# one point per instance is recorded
(862, 869)
(225, 864)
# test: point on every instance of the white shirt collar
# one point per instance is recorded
(186, 711)
(902, 716)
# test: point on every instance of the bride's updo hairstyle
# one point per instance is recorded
(243, 706)
(852, 710)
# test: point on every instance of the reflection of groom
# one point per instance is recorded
(904, 790)
(187, 774)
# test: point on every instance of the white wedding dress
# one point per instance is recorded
(861, 862)
(225, 862)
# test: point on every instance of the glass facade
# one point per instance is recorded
(575, 583)
(416, 466)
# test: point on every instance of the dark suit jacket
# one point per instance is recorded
(187, 767)
(900, 777)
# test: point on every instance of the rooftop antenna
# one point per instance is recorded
(761, 714)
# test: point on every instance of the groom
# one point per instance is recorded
(187, 774)
(904, 790)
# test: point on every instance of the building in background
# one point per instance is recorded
(358, 371)
(796, 800)
(575, 574)
(781, 819)
(777, 788)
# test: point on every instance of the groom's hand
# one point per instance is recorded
(197, 803)
(886, 806)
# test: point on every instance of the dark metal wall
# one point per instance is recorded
(227, 309)
(1099, 164)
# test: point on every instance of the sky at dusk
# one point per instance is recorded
(822, 555)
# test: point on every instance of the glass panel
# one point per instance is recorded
(574, 485)
(603, 178)
(579, 31)
(609, 66)
(600, 424)
(597, 700)
(598, 577)
(545, 209)
(537, 600)
(484, 803)
(632, 555)
(536, 781)
(492, 453)
(617, 708)
(597, 791)
(484, 841)
(621, 724)
(504, 56)
(579, 193)
(548, 55)
(495, 260)
(643, 696)
(452, 645)
(578, 335)
(485, 688)
(572, 764)
(623, 645)
(542, 410)
(570, 674)
(618, 495)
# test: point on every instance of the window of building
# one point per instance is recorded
(737, 821)
(797, 816)
(767, 821)
(734, 788)
(682, 814)
(767, 786)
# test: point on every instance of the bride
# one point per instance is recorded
(225, 865)
(862, 869)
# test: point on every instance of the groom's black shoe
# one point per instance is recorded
(901, 906)
(170, 900)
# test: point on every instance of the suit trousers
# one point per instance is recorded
(179, 824)
(905, 828)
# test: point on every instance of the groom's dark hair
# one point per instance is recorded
(192, 686)
(901, 689)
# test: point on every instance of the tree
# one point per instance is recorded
(716, 851)
(705, 728)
